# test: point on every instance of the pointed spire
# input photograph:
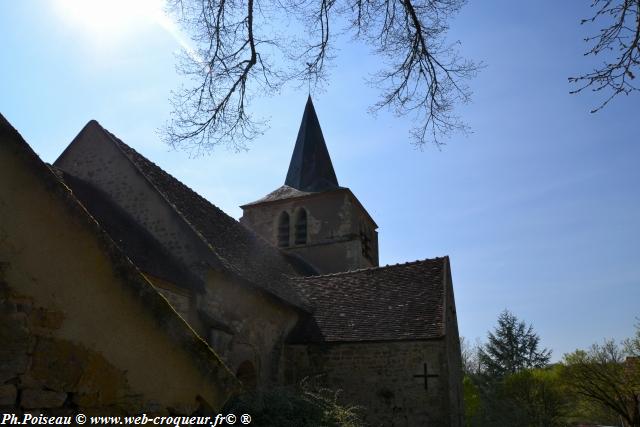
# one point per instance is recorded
(310, 168)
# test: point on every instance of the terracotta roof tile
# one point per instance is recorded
(398, 302)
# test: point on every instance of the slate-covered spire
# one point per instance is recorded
(310, 168)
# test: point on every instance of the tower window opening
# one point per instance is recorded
(365, 240)
(301, 227)
(283, 230)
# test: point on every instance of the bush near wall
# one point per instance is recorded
(304, 406)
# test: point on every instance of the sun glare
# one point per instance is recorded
(110, 20)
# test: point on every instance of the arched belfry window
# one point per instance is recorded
(301, 227)
(283, 230)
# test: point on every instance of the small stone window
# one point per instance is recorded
(283, 230)
(365, 240)
(301, 227)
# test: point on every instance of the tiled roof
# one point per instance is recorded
(398, 302)
(280, 193)
(134, 240)
(240, 251)
(286, 192)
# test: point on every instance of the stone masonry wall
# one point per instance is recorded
(80, 327)
(334, 223)
(95, 159)
(258, 325)
(258, 329)
(71, 340)
(454, 357)
(41, 373)
(379, 377)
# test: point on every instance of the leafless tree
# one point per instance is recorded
(617, 42)
(470, 353)
(247, 48)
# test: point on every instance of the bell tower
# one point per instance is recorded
(311, 215)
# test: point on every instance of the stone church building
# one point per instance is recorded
(293, 290)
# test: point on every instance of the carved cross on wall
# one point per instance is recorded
(426, 377)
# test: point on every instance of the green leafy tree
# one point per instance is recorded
(502, 388)
(535, 398)
(528, 398)
(512, 347)
(472, 401)
(608, 376)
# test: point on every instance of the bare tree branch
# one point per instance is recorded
(214, 110)
(619, 41)
(236, 59)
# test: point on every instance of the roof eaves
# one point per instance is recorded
(316, 329)
(310, 195)
(302, 195)
(375, 268)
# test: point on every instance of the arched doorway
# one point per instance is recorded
(247, 375)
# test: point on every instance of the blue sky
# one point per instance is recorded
(538, 208)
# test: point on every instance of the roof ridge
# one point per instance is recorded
(130, 154)
(119, 141)
(136, 152)
(360, 270)
(96, 207)
(195, 193)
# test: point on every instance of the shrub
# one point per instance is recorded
(307, 405)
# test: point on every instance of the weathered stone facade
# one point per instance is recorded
(153, 278)
(379, 377)
(255, 325)
(340, 234)
(415, 380)
(386, 338)
(80, 327)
